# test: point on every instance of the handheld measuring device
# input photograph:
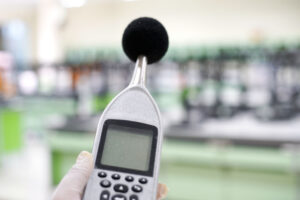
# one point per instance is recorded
(129, 136)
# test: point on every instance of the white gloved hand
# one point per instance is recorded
(72, 185)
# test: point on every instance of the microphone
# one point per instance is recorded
(146, 37)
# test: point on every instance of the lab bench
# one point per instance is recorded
(239, 158)
(196, 170)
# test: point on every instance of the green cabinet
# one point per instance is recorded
(195, 171)
(11, 137)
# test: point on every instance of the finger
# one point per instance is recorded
(72, 185)
(161, 191)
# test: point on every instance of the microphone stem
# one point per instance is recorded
(139, 74)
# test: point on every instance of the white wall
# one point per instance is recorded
(50, 15)
(101, 22)
(25, 13)
(187, 21)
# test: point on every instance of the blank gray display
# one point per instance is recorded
(127, 147)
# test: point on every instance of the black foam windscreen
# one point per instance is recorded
(145, 36)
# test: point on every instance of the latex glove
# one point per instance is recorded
(72, 185)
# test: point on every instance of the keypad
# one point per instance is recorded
(104, 195)
(143, 180)
(102, 174)
(112, 180)
(121, 188)
(105, 183)
(137, 188)
(133, 197)
(129, 178)
(116, 176)
(119, 197)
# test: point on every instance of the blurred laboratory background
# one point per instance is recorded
(228, 89)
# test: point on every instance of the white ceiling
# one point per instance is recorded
(33, 2)
(18, 2)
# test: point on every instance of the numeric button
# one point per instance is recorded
(121, 188)
(115, 176)
(129, 178)
(105, 183)
(133, 197)
(118, 197)
(104, 195)
(143, 180)
(137, 188)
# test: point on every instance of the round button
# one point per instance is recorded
(102, 174)
(105, 195)
(129, 178)
(121, 188)
(115, 176)
(105, 183)
(137, 188)
(143, 180)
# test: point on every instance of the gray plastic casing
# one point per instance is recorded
(136, 104)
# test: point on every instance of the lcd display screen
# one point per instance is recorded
(127, 146)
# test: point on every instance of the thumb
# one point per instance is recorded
(72, 185)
